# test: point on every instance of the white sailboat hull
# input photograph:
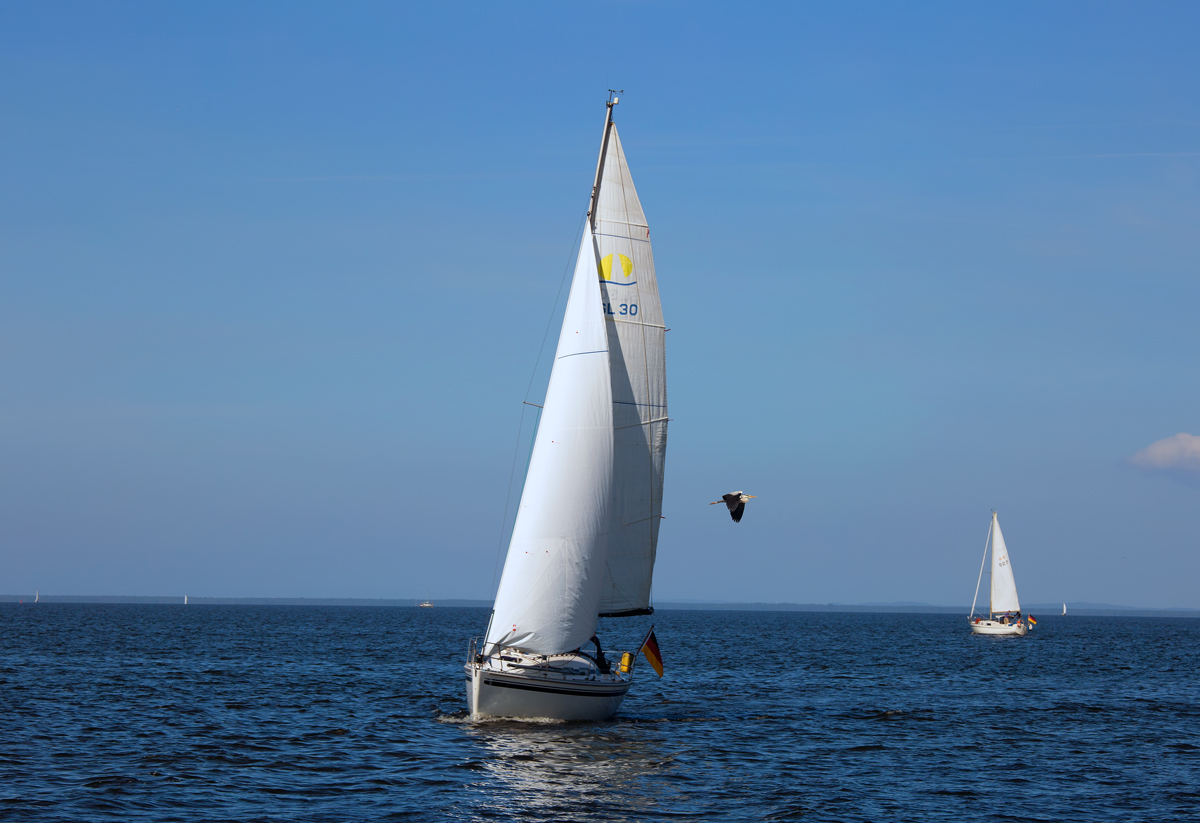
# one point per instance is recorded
(982, 626)
(531, 695)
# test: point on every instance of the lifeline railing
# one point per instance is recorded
(617, 660)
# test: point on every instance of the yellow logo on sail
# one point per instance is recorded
(606, 266)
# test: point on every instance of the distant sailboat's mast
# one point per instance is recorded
(612, 101)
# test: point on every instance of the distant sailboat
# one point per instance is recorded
(425, 605)
(37, 595)
(185, 600)
(1064, 609)
(583, 544)
(1004, 609)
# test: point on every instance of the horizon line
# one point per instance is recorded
(1081, 607)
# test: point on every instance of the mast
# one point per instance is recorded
(612, 101)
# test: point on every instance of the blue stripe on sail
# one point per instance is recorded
(611, 283)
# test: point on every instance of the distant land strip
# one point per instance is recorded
(1037, 609)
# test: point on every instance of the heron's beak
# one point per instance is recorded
(752, 495)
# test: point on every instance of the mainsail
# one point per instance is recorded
(550, 591)
(636, 343)
(1004, 585)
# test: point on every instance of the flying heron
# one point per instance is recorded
(736, 501)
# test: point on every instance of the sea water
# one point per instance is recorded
(155, 712)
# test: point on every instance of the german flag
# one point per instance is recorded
(1032, 622)
(650, 649)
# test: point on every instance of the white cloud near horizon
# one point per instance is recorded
(1177, 456)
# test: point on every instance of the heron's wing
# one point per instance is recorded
(730, 499)
(736, 514)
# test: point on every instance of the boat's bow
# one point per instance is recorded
(569, 686)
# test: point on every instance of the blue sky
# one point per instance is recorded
(273, 279)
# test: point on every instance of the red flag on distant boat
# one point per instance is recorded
(650, 649)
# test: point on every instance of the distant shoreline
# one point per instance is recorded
(1046, 609)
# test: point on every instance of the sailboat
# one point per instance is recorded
(586, 531)
(1004, 609)
(1064, 614)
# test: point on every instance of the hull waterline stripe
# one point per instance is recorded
(533, 687)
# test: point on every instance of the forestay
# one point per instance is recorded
(636, 342)
(550, 590)
(1004, 585)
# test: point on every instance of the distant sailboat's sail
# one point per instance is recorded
(636, 342)
(550, 590)
(1004, 585)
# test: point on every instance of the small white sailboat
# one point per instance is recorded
(1064, 614)
(37, 595)
(425, 604)
(1004, 609)
(586, 531)
(185, 600)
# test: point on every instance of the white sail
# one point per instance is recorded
(1004, 585)
(636, 343)
(549, 593)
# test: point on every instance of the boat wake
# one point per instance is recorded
(464, 718)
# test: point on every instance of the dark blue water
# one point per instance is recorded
(277, 713)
